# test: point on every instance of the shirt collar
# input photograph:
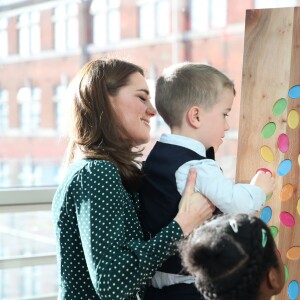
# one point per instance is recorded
(183, 141)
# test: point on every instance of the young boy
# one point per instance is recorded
(194, 100)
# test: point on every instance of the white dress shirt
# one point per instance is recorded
(226, 195)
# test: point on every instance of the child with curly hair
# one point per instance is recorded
(234, 257)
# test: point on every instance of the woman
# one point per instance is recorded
(101, 250)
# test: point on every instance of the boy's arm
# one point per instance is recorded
(222, 192)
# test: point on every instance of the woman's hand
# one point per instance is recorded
(194, 208)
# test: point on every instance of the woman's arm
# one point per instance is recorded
(120, 262)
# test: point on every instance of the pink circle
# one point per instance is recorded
(287, 219)
(283, 143)
(264, 170)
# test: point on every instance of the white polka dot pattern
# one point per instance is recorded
(100, 248)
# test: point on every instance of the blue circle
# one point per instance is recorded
(293, 290)
(284, 167)
(266, 214)
(294, 92)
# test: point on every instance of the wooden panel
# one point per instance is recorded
(271, 67)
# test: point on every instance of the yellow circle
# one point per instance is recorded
(266, 154)
(293, 119)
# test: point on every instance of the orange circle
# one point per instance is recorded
(286, 192)
(293, 253)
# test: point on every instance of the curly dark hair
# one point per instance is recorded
(229, 256)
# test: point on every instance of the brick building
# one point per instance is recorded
(44, 43)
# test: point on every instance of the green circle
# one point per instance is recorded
(268, 130)
(269, 197)
(286, 273)
(279, 106)
(274, 231)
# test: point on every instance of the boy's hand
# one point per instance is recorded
(265, 181)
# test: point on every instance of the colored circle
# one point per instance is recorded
(293, 253)
(287, 219)
(279, 106)
(268, 130)
(286, 273)
(284, 167)
(286, 192)
(283, 143)
(266, 154)
(294, 92)
(266, 214)
(293, 119)
(298, 206)
(293, 290)
(269, 197)
(274, 231)
(264, 170)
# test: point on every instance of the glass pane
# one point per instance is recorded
(24, 41)
(114, 26)
(163, 18)
(99, 34)
(35, 39)
(60, 36)
(28, 282)
(26, 233)
(3, 37)
(72, 33)
(218, 12)
(3, 110)
(199, 15)
(147, 21)
(274, 3)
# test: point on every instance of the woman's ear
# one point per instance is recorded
(193, 116)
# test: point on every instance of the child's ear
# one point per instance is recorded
(193, 116)
(273, 279)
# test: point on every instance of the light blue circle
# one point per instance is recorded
(266, 214)
(284, 167)
(294, 92)
(293, 290)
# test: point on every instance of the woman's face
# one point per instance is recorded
(133, 109)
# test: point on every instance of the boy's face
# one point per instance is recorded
(213, 122)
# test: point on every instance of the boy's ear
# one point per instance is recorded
(193, 116)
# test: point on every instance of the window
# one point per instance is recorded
(66, 29)
(3, 37)
(154, 18)
(29, 109)
(59, 92)
(274, 3)
(106, 21)
(4, 117)
(207, 14)
(30, 173)
(29, 33)
(4, 176)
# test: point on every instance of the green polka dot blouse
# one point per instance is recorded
(101, 253)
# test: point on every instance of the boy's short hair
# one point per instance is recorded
(186, 84)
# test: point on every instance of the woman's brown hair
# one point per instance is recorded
(94, 131)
